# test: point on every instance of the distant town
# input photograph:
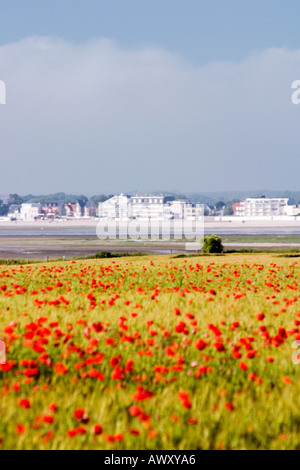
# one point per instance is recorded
(143, 206)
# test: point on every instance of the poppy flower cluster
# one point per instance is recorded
(152, 353)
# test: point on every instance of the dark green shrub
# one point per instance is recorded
(102, 254)
(212, 244)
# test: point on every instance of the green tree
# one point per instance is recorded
(82, 200)
(213, 244)
(228, 210)
(99, 198)
(3, 209)
(181, 197)
(15, 199)
(220, 205)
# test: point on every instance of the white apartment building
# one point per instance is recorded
(262, 207)
(117, 207)
(184, 209)
(30, 212)
(145, 207)
(179, 208)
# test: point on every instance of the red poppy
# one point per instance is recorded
(60, 369)
(229, 406)
(98, 429)
(24, 403)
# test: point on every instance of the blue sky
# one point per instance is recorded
(134, 95)
(200, 30)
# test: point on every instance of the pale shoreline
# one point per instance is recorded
(209, 223)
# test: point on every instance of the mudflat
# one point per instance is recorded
(44, 240)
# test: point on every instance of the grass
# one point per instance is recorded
(100, 255)
(160, 352)
(15, 262)
(108, 254)
(287, 251)
(272, 238)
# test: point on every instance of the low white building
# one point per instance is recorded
(184, 209)
(14, 212)
(30, 212)
(293, 210)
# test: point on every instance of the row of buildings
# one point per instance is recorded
(166, 207)
(51, 210)
(120, 207)
(126, 207)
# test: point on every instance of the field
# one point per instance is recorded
(151, 353)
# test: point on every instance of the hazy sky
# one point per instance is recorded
(111, 96)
